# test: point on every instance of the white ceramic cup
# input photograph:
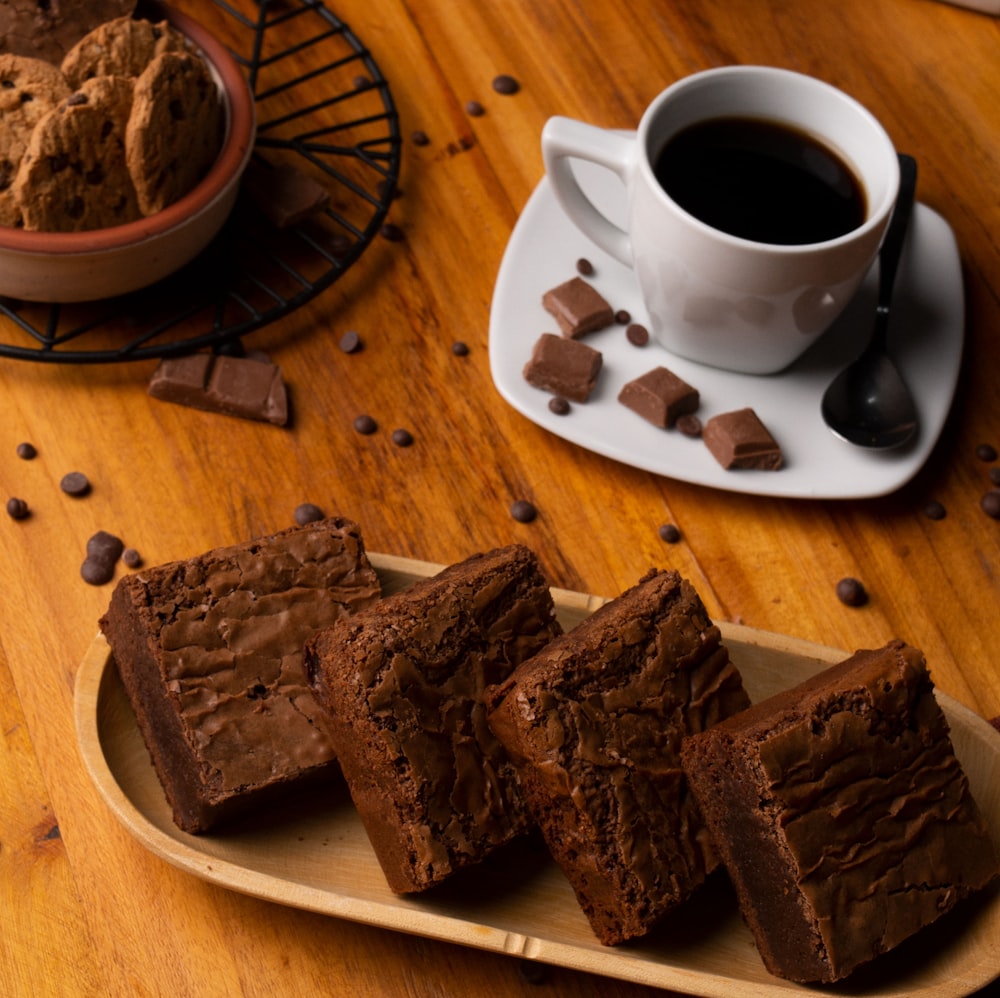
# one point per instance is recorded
(712, 297)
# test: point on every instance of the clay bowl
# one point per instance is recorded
(85, 266)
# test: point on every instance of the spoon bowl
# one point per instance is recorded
(869, 404)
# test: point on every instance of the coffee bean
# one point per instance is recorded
(26, 451)
(365, 425)
(689, 424)
(460, 349)
(851, 592)
(986, 452)
(75, 483)
(350, 342)
(523, 511)
(637, 334)
(362, 82)
(391, 232)
(623, 317)
(474, 109)
(934, 510)
(990, 503)
(559, 405)
(420, 138)
(584, 267)
(17, 509)
(307, 512)
(669, 533)
(505, 84)
(402, 438)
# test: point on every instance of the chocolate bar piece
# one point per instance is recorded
(659, 396)
(740, 440)
(234, 386)
(578, 308)
(564, 367)
(284, 193)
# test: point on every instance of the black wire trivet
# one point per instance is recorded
(329, 110)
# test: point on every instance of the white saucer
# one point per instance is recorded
(928, 328)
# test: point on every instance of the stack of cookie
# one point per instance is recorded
(125, 125)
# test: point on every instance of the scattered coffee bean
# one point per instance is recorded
(365, 424)
(75, 483)
(460, 349)
(420, 138)
(103, 552)
(934, 510)
(402, 438)
(523, 511)
(132, 558)
(392, 232)
(532, 972)
(559, 405)
(669, 533)
(505, 84)
(474, 109)
(637, 335)
(350, 342)
(986, 452)
(851, 592)
(623, 317)
(26, 451)
(307, 512)
(990, 503)
(689, 424)
(995, 476)
(584, 267)
(17, 509)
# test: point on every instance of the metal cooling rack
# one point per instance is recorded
(322, 105)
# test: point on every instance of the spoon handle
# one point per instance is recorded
(892, 244)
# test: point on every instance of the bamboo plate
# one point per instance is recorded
(317, 856)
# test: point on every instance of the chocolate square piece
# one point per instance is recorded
(563, 367)
(578, 308)
(659, 396)
(740, 440)
(841, 813)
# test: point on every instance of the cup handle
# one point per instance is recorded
(564, 139)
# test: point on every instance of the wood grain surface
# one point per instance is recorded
(84, 909)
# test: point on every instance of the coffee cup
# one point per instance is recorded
(757, 201)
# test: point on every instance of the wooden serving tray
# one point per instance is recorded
(316, 856)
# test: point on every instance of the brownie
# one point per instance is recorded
(564, 367)
(594, 724)
(842, 814)
(210, 654)
(403, 682)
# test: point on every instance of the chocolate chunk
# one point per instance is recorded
(986, 452)
(659, 396)
(17, 509)
(990, 503)
(935, 511)
(505, 84)
(559, 405)
(689, 425)
(365, 425)
(26, 451)
(350, 342)
(637, 335)
(851, 592)
(233, 386)
(307, 512)
(740, 440)
(578, 307)
(584, 267)
(460, 349)
(132, 558)
(523, 511)
(103, 552)
(563, 367)
(669, 533)
(284, 194)
(75, 483)
(402, 438)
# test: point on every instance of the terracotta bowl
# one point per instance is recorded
(84, 266)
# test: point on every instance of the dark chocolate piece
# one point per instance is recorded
(131, 558)
(669, 533)
(740, 440)
(307, 512)
(523, 511)
(75, 483)
(460, 349)
(659, 396)
(578, 307)
(17, 509)
(350, 342)
(403, 684)
(474, 109)
(285, 194)
(986, 452)
(563, 367)
(103, 552)
(233, 386)
(505, 84)
(594, 724)
(26, 451)
(851, 592)
(402, 437)
(990, 504)
(841, 813)
(365, 424)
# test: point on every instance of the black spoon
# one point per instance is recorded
(868, 403)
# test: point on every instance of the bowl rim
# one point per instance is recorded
(228, 166)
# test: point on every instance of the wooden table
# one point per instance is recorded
(87, 911)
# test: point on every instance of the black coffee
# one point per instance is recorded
(761, 180)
